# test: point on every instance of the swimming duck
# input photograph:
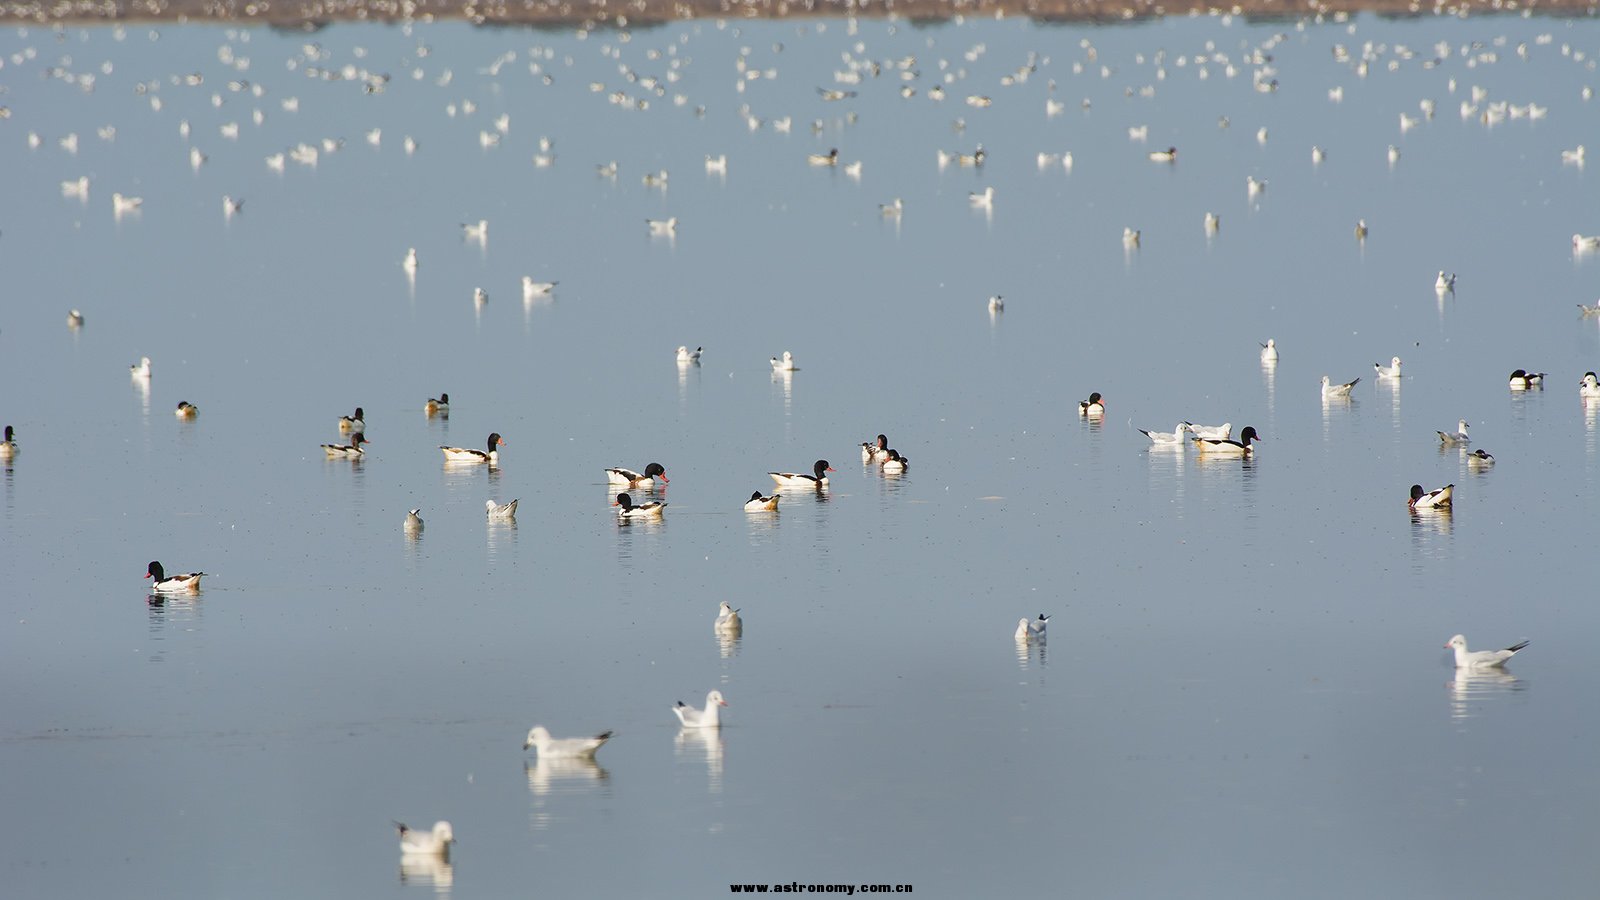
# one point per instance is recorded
(662, 227)
(758, 503)
(629, 510)
(1331, 391)
(1588, 389)
(895, 463)
(710, 717)
(997, 303)
(635, 479)
(1455, 437)
(1094, 406)
(791, 479)
(831, 158)
(1390, 371)
(875, 451)
(172, 584)
(356, 421)
(140, 369)
(1221, 432)
(8, 447)
(1481, 659)
(351, 450)
(413, 522)
(1522, 380)
(1269, 351)
(1032, 629)
(1361, 229)
(565, 748)
(1588, 310)
(186, 410)
(1240, 447)
(1211, 222)
(728, 618)
(1439, 499)
(437, 406)
(785, 363)
(469, 454)
(685, 355)
(1444, 284)
(426, 843)
(501, 510)
(1178, 437)
(1480, 458)
(74, 319)
(1168, 155)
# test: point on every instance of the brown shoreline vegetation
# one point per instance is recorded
(310, 14)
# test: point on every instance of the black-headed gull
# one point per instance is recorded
(1160, 439)
(1455, 437)
(426, 843)
(784, 363)
(140, 369)
(1481, 659)
(728, 618)
(685, 355)
(1444, 283)
(710, 717)
(1589, 387)
(169, 584)
(1435, 499)
(1392, 370)
(75, 319)
(1031, 629)
(571, 748)
(1211, 432)
(501, 510)
(1331, 391)
(1269, 351)
(413, 523)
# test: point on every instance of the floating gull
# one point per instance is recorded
(1480, 659)
(710, 717)
(565, 748)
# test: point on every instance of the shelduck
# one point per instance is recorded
(630, 510)
(1240, 447)
(1521, 380)
(637, 479)
(473, 455)
(1436, 499)
(815, 480)
(437, 406)
(758, 503)
(875, 451)
(172, 584)
(356, 421)
(186, 410)
(1588, 389)
(895, 463)
(351, 450)
(1094, 406)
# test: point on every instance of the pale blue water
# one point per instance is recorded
(1244, 693)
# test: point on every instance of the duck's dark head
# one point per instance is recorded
(820, 467)
(360, 413)
(8, 433)
(1417, 492)
(1248, 434)
(624, 501)
(1096, 398)
(883, 442)
(1519, 375)
(755, 495)
(495, 441)
(444, 398)
(357, 439)
(655, 470)
(155, 571)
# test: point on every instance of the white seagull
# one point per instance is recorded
(426, 843)
(1390, 371)
(1269, 351)
(563, 748)
(1331, 391)
(728, 618)
(1481, 659)
(1031, 629)
(1455, 437)
(501, 510)
(710, 717)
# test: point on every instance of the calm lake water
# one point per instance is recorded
(1244, 692)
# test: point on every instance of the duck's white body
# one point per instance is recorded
(1392, 370)
(1481, 659)
(1480, 458)
(710, 717)
(437, 406)
(685, 355)
(1031, 629)
(1240, 447)
(186, 410)
(784, 363)
(355, 422)
(8, 447)
(1455, 437)
(180, 583)
(501, 510)
(1589, 388)
(727, 619)
(426, 843)
(627, 509)
(474, 455)
(1331, 391)
(795, 479)
(630, 478)
(1093, 406)
(563, 748)
(1168, 155)
(1522, 380)
(895, 463)
(1441, 498)
(758, 503)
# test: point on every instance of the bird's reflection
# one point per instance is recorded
(430, 871)
(728, 643)
(703, 743)
(1591, 417)
(563, 775)
(141, 384)
(1472, 688)
(502, 534)
(1032, 652)
(1426, 523)
(784, 379)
